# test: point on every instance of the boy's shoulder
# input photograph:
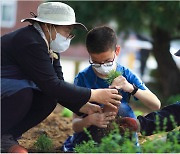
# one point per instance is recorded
(86, 73)
(126, 72)
(85, 77)
(87, 70)
(122, 69)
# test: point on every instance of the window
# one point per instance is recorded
(8, 13)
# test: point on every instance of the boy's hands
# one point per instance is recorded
(109, 109)
(101, 119)
(121, 83)
(108, 97)
(90, 108)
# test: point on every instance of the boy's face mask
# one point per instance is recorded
(60, 43)
(105, 68)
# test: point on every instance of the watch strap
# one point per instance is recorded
(135, 90)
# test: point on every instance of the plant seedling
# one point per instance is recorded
(112, 75)
(44, 143)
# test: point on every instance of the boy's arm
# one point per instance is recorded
(148, 98)
(79, 123)
(145, 96)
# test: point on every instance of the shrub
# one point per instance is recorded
(115, 143)
(162, 145)
(112, 143)
(44, 144)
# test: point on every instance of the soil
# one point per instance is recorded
(57, 128)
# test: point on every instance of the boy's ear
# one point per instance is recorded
(118, 48)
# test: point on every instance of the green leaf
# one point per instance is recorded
(112, 75)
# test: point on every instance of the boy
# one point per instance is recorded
(101, 43)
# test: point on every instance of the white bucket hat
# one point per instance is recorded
(177, 53)
(56, 13)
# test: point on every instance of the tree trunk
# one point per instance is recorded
(167, 68)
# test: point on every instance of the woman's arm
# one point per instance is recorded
(36, 64)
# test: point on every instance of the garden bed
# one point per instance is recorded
(57, 128)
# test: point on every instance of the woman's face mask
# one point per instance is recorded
(60, 43)
(105, 68)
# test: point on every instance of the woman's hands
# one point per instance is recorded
(100, 119)
(108, 97)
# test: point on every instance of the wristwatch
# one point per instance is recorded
(135, 90)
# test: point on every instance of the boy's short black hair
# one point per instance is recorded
(101, 39)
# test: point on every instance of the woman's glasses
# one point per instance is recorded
(70, 36)
(67, 31)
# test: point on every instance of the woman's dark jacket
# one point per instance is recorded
(26, 51)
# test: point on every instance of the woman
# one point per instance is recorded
(31, 76)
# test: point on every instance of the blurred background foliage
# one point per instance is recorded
(137, 15)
